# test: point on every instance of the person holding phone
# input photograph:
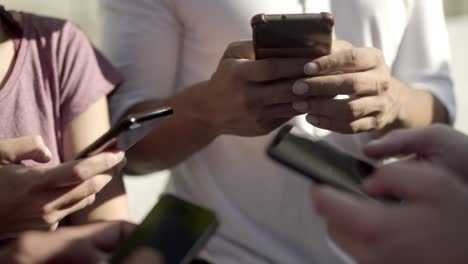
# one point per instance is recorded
(54, 84)
(39, 197)
(174, 53)
(430, 225)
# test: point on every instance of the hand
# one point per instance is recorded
(437, 144)
(39, 197)
(84, 244)
(361, 73)
(13, 151)
(429, 227)
(249, 98)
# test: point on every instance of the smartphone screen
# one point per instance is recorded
(320, 162)
(177, 229)
(127, 132)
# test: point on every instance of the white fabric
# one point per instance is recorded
(163, 46)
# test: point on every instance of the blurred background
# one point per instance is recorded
(144, 191)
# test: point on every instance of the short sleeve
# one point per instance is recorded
(85, 76)
(423, 59)
(143, 40)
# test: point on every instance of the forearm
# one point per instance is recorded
(179, 137)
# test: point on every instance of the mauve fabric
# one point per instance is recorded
(57, 75)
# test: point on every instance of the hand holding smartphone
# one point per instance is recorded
(322, 163)
(292, 35)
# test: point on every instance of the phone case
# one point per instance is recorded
(292, 35)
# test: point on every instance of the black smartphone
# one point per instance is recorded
(127, 132)
(319, 161)
(292, 35)
(177, 229)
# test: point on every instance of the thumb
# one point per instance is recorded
(399, 142)
(16, 150)
(240, 50)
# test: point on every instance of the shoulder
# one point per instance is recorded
(54, 31)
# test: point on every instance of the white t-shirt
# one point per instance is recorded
(164, 46)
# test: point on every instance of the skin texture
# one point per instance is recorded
(85, 244)
(437, 144)
(111, 203)
(430, 225)
(38, 197)
(377, 101)
(251, 98)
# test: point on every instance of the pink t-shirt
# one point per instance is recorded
(57, 76)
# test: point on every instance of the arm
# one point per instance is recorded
(111, 202)
(423, 65)
(244, 97)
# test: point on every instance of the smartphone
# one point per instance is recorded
(127, 132)
(177, 229)
(319, 161)
(292, 35)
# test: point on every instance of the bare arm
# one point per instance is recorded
(111, 202)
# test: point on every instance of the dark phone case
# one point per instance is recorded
(171, 212)
(108, 140)
(320, 174)
(292, 35)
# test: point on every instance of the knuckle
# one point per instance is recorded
(355, 110)
(351, 58)
(92, 187)
(50, 219)
(80, 172)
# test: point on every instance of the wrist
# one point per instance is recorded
(192, 106)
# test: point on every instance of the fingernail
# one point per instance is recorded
(300, 88)
(119, 155)
(312, 119)
(301, 107)
(311, 68)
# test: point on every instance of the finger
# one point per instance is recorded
(348, 60)
(362, 83)
(410, 181)
(77, 171)
(354, 127)
(24, 148)
(361, 215)
(240, 50)
(269, 69)
(273, 93)
(72, 208)
(64, 197)
(340, 110)
(145, 255)
(400, 142)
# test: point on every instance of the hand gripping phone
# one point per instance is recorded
(319, 161)
(292, 35)
(127, 132)
(175, 228)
